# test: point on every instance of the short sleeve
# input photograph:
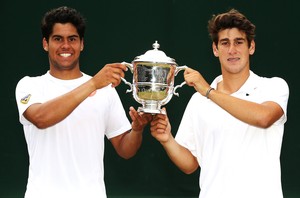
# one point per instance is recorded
(117, 121)
(26, 94)
(277, 90)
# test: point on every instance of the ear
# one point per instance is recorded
(252, 48)
(215, 50)
(82, 45)
(45, 45)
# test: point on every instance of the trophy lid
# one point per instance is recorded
(155, 55)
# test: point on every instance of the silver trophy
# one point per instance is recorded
(153, 80)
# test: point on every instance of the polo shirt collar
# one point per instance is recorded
(247, 88)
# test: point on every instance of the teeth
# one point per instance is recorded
(65, 55)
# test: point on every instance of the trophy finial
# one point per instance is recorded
(155, 45)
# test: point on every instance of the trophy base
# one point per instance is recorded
(152, 111)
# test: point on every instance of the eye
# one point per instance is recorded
(239, 42)
(57, 38)
(73, 39)
(224, 43)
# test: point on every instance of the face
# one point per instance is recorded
(63, 48)
(233, 51)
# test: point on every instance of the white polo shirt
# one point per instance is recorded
(237, 160)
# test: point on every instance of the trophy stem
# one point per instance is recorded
(153, 107)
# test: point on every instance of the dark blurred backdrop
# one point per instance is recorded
(120, 30)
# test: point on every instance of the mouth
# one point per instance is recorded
(65, 54)
(233, 59)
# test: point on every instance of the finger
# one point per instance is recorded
(187, 71)
(162, 121)
(116, 79)
(133, 113)
(162, 125)
(119, 65)
(160, 116)
(145, 118)
(117, 76)
(116, 72)
(138, 117)
(155, 120)
(159, 124)
(149, 117)
(154, 130)
(115, 82)
(164, 109)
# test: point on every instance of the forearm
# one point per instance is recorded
(129, 144)
(260, 115)
(53, 111)
(181, 156)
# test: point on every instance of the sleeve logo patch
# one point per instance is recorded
(25, 99)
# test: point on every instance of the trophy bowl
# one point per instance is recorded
(153, 80)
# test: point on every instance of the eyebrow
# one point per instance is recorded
(236, 39)
(56, 35)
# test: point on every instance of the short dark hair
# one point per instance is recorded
(230, 19)
(62, 15)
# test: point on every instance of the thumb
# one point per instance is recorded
(165, 110)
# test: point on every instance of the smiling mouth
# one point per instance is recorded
(233, 59)
(65, 54)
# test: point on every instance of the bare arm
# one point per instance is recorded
(127, 144)
(181, 157)
(55, 110)
(260, 115)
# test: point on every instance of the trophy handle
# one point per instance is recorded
(130, 66)
(178, 69)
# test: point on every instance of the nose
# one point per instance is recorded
(65, 44)
(232, 49)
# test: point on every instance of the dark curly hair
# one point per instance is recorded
(230, 19)
(62, 15)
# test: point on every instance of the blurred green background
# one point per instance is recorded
(120, 30)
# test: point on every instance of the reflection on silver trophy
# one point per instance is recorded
(153, 80)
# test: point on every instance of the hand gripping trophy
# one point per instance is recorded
(153, 80)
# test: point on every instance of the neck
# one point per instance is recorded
(232, 82)
(66, 74)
